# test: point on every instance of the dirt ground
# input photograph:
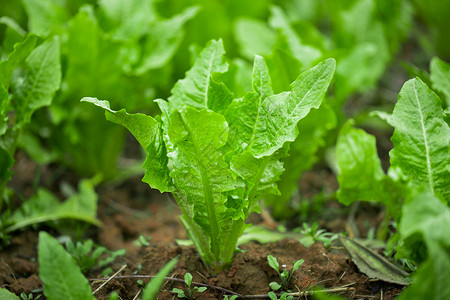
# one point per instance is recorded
(131, 209)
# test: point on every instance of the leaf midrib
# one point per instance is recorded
(427, 147)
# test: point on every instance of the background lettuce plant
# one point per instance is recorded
(415, 189)
(218, 155)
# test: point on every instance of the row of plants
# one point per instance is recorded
(237, 132)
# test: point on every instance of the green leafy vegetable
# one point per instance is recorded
(219, 155)
(426, 221)
(58, 271)
(421, 138)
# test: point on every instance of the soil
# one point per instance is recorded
(132, 209)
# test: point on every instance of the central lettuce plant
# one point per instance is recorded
(218, 155)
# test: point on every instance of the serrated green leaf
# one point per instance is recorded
(42, 79)
(243, 114)
(152, 288)
(372, 264)
(59, 272)
(421, 138)
(281, 113)
(143, 127)
(193, 89)
(148, 132)
(440, 77)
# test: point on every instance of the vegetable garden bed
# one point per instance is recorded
(287, 149)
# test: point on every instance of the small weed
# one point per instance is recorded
(88, 255)
(283, 296)
(285, 276)
(30, 296)
(225, 297)
(313, 234)
(190, 292)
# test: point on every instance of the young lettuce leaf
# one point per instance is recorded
(421, 138)
(218, 155)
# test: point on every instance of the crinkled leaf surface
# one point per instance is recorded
(440, 77)
(427, 216)
(194, 88)
(199, 169)
(42, 79)
(421, 137)
(59, 272)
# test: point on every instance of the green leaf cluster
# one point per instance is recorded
(217, 154)
(415, 189)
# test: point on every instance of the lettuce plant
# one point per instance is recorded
(219, 155)
(415, 189)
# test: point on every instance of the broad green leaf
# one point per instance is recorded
(21, 51)
(421, 137)
(280, 113)
(7, 295)
(59, 272)
(372, 264)
(243, 114)
(163, 39)
(152, 288)
(361, 176)
(199, 169)
(273, 263)
(440, 77)
(148, 133)
(193, 89)
(306, 54)
(143, 127)
(45, 207)
(42, 79)
(427, 217)
(45, 16)
(253, 37)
